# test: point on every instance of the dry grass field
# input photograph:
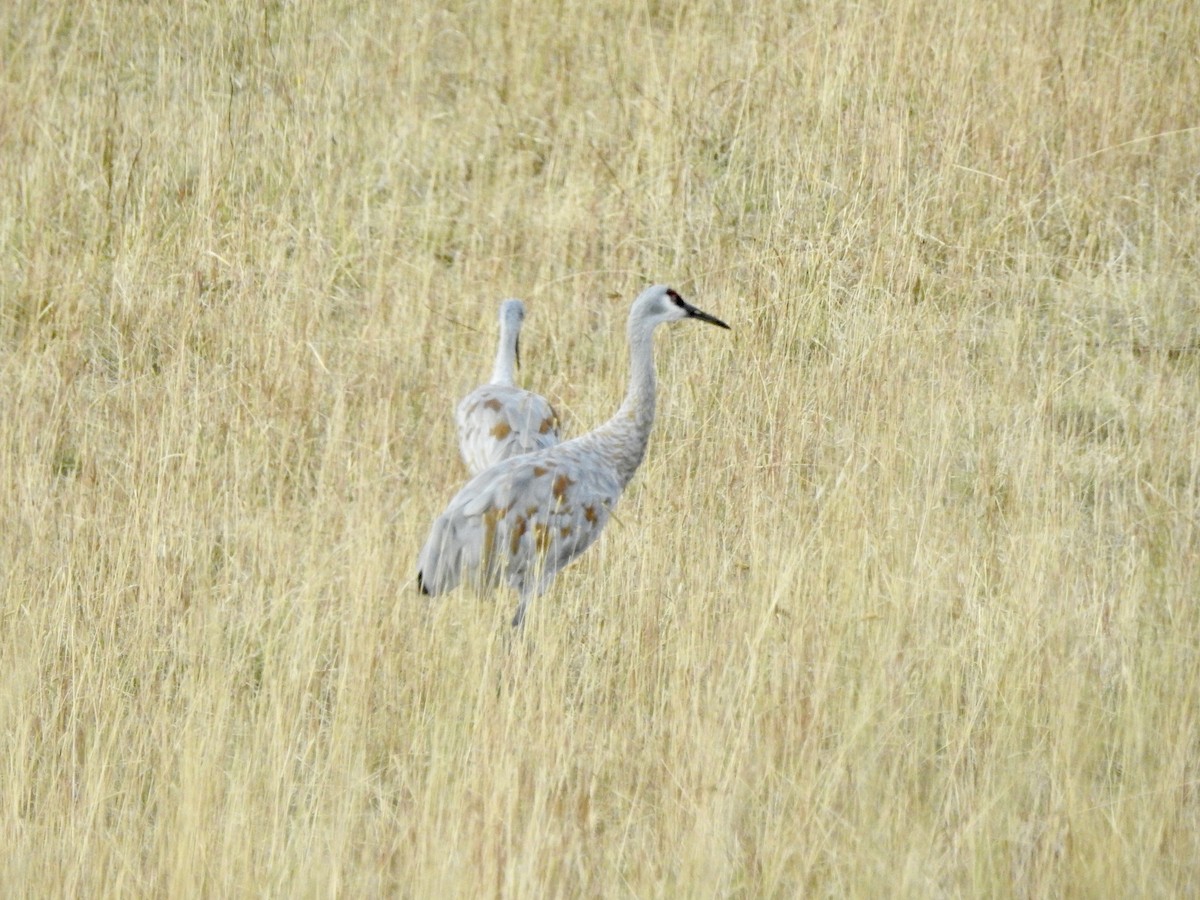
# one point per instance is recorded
(903, 601)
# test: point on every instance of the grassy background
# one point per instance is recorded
(904, 599)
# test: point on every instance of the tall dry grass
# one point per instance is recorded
(903, 601)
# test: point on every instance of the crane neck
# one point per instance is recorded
(627, 433)
(640, 393)
(504, 368)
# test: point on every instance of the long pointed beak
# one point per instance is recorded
(517, 351)
(700, 314)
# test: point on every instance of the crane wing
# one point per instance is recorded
(496, 422)
(518, 522)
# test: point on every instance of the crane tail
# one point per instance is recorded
(440, 559)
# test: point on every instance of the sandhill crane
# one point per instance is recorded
(498, 420)
(522, 520)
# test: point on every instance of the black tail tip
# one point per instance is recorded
(421, 584)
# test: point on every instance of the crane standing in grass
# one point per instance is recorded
(525, 518)
(498, 420)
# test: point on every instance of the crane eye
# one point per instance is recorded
(674, 297)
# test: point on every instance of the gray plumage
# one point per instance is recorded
(499, 420)
(522, 520)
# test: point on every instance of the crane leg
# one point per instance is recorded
(519, 619)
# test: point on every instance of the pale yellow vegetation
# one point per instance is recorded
(904, 600)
